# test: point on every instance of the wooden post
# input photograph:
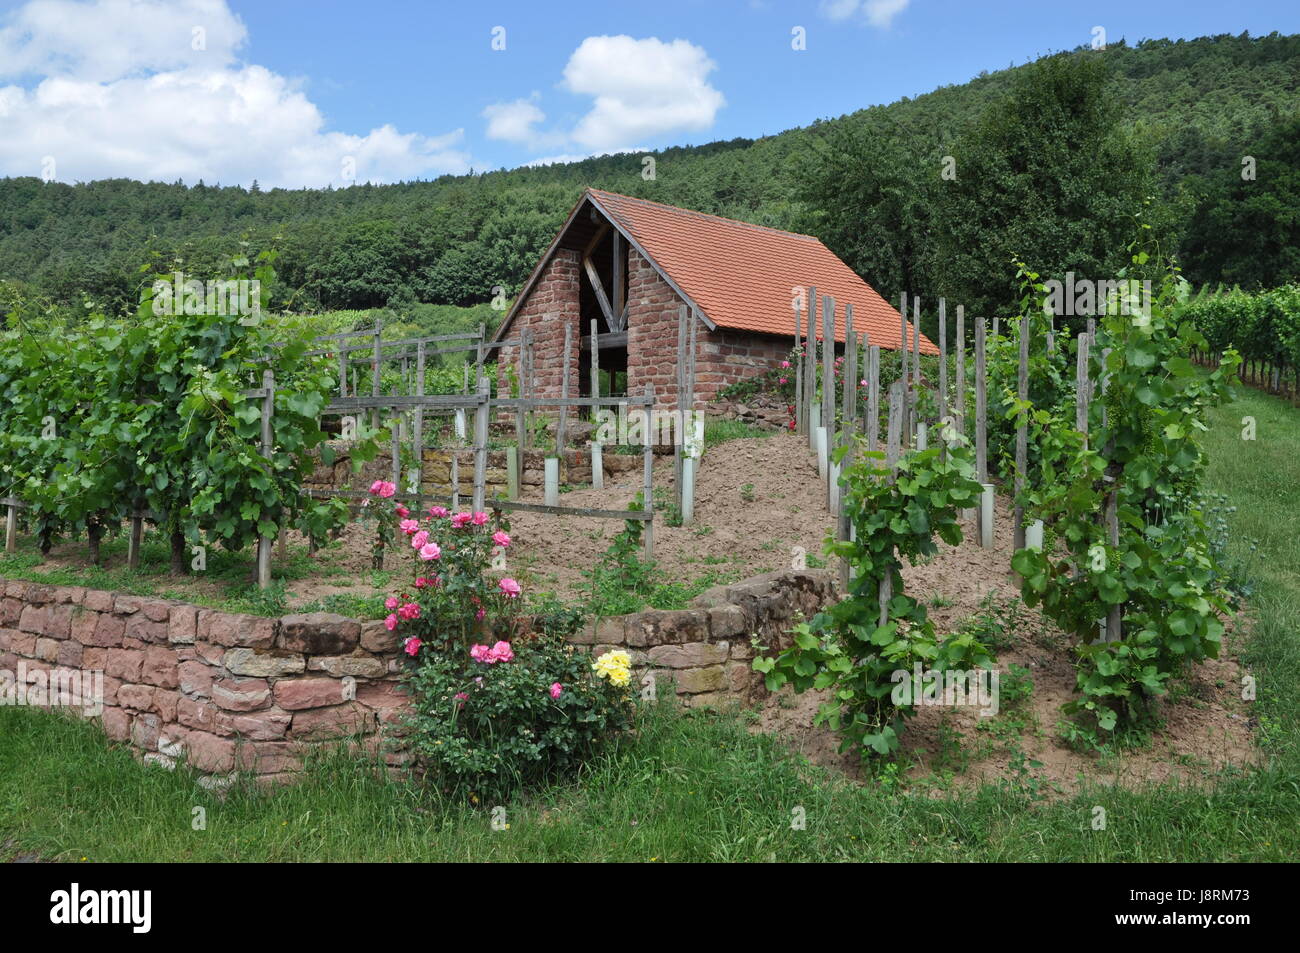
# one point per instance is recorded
(134, 540)
(681, 388)
(905, 364)
(417, 436)
(1114, 615)
(616, 287)
(895, 432)
(873, 397)
(828, 367)
(597, 463)
(481, 413)
(810, 367)
(648, 469)
(981, 406)
(944, 422)
(268, 448)
(850, 409)
(1022, 434)
(800, 423)
(374, 377)
(961, 370)
(1081, 385)
(512, 472)
(564, 394)
(916, 363)
(343, 371)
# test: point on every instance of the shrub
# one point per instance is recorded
(534, 712)
(862, 647)
(496, 706)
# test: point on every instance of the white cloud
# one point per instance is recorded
(513, 121)
(879, 13)
(642, 89)
(122, 92)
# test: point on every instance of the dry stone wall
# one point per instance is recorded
(227, 692)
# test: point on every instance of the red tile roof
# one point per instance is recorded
(743, 276)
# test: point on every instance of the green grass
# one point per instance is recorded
(721, 430)
(231, 571)
(691, 786)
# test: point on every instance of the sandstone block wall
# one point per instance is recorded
(227, 692)
(221, 691)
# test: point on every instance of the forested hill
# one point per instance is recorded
(1186, 112)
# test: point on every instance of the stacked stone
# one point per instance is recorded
(706, 652)
(220, 691)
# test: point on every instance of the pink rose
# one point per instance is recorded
(462, 697)
(480, 615)
(409, 527)
(502, 652)
(409, 611)
(430, 551)
(401, 511)
(481, 653)
(412, 646)
(785, 363)
(479, 519)
(460, 519)
(419, 539)
(392, 602)
(383, 488)
(783, 380)
(420, 583)
(391, 622)
(509, 587)
(556, 689)
(376, 487)
(501, 539)
(438, 512)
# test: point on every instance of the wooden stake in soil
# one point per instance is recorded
(905, 364)
(960, 405)
(799, 414)
(268, 447)
(481, 413)
(679, 401)
(981, 406)
(810, 368)
(597, 457)
(648, 469)
(564, 393)
(828, 366)
(944, 422)
(873, 398)
(1022, 434)
(1081, 396)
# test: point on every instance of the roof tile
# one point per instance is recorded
(745, 276)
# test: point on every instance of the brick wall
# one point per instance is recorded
(551, 305)
(723, 356)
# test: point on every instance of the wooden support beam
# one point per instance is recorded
(599, 288)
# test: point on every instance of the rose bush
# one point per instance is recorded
(497, 705)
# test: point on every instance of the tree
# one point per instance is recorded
(1049, 175)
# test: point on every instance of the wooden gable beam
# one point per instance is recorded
(596, 286)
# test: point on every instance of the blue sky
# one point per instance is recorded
(297, 93)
